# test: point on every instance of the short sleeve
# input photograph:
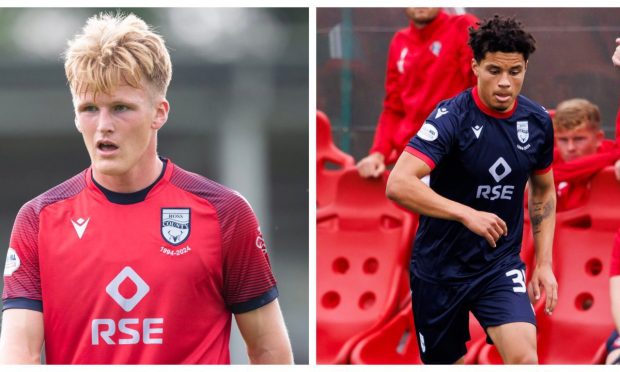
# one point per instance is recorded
(435, 138)
(22, 281)
(248, 280)
(545, 157)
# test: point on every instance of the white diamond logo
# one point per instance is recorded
(500, 163)
(127, 303)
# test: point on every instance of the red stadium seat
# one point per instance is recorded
(395, 342)
(363, 244)
(583, 241)
(601, 354)
(330, 161)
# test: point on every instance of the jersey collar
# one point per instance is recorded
(489, 111)
(132, 197)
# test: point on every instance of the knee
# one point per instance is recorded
(528, 357)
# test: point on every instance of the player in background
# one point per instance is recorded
(615, 58)
(480, 148)
(134, 260)
(581, 150)
(427, 62)
(613, 343)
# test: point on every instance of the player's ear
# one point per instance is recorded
(474, 66)
(162, 108)
(77, 124)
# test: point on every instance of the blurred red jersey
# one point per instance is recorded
(424, 67)
(149, 277)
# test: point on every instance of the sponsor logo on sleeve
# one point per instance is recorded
(428, 132)
(260, 242)
(12, 262)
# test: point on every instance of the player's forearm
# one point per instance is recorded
(14, 355)
(414, 195)
(542, 202)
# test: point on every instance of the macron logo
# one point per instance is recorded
(441, 112)
(80, 226)
(477, 130)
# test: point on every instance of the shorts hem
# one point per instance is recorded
(442, 362)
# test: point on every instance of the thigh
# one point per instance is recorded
(504, 310)
(441, 320)
(503, 299)
(515, 342)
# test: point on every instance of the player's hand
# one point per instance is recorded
(487, 225)
(371, 166)
(616, 57)
(543, 278)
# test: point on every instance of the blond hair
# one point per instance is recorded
(117, 49)
(576, 113)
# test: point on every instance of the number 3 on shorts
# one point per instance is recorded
(518, 278)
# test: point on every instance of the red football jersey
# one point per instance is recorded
(148, 277)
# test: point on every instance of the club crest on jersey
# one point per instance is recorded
(522, 131)
(175, 224)
(435, 48)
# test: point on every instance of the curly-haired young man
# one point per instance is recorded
(480, 149)
(134, 260)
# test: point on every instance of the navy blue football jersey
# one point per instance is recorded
(483, 159)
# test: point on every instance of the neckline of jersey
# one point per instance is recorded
(489, 111)
(131, 197)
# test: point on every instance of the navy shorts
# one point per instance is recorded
(441, 311)
(613, 342)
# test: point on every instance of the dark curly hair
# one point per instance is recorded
(500, 34)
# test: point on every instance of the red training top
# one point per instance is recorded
(572, 178)
(424, 67)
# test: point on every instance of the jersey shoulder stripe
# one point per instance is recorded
(248, 280)
(25, 283)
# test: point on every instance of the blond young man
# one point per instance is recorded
(577, 127)
(134, 260)
(581, 150)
